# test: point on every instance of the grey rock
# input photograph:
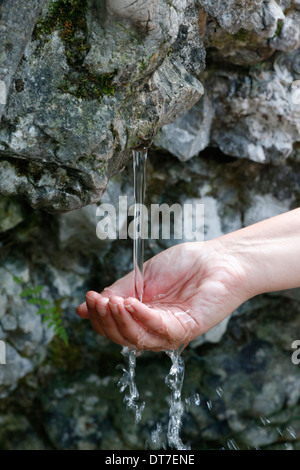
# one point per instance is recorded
(248, 46)
(254, 116)
(243, 48)
(10, 214)
(189, 48)
(289, 37)
(72, 120)
(17, 21)
(15, 369)
(189, 134)
(264, 207)
(9, 323)
(256, 15)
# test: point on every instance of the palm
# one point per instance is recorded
(185, 294)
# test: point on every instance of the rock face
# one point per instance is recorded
(82, 83)
(250, 112)
(95, 81)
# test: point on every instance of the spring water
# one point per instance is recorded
(175, 377)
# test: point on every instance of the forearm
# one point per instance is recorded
(269, 252)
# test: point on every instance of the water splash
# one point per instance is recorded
(131, 399)
(232, 445)
(156, 436)
(174, 380)
(193, 400)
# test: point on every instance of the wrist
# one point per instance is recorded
(249, 264)
(268, 253)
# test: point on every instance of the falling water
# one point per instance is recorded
(139, 168)
(174, 380)
(131, 399)
(128, 379)
(175, 377)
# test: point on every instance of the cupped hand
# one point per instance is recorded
(188, 289)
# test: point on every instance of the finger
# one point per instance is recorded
(107, 322)
(152, 319)
(135, 332)
(163, 323)
(82, 311)
(128, 326)
(91, 298)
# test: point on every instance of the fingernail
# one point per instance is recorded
(81, 305)
(101, 310)
(114, 308)
(129, 308)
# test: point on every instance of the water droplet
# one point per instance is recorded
(197, 399)
(265, 421)
(209, 405)
(232, 445)
(156, 434)
(279, 431)
(291, 432)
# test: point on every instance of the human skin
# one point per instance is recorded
(191, 287)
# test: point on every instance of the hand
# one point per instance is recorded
(188, 289)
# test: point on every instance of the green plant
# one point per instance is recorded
(51, 313)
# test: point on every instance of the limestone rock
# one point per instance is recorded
(254, 115)
(17, 21)
(10, 214)
(254, 15)
(95, 82)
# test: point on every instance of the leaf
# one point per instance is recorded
(63, 335)
(51, 310)
(26, 292)
(46, 318)
(41, 311)
(37, 289)
(44, 302)
(34, 300)
(17, 279)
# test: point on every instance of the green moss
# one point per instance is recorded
(242, 35)
(65, 15)
(87, 85)
(68, 17)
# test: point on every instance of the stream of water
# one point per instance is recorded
(175, 377)
(128, 379)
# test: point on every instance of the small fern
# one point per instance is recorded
(50, 313)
